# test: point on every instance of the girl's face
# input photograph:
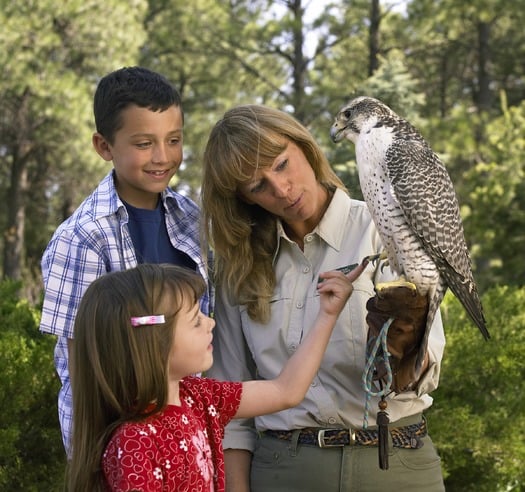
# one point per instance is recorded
(288, 188)
(146, 153)
(191, 351)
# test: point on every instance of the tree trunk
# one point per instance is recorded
(483, 99)
(15, 226)
(443, 83)
(16, 194)
(298, 62)
(373, 37)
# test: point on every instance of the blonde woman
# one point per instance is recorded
(276, 216)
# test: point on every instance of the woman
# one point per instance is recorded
(276, 216)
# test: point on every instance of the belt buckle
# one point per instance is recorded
(321, 438)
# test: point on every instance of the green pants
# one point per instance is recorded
(288, 466)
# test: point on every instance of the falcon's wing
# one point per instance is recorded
(426, 194)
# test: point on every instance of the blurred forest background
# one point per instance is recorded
(454, 68)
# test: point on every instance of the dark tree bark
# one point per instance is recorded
(373, 37)
(16, 194)
(483, 94)
(299, 62)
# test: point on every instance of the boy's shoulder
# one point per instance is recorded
(102, 202)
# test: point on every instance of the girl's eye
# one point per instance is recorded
(143, 145)
(174, 141)
(198, 321)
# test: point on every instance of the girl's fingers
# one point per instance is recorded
(358, 270)
(351, 275)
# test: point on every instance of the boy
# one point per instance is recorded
(132, 216)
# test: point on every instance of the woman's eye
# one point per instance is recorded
(257, 188)
(282, 164)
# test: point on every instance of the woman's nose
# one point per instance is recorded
(281, 187)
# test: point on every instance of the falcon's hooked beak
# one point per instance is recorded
(344, 126)
(337, 131)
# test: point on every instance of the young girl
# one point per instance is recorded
(141, 421)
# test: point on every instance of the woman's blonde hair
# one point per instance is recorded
(119, 371)
(244, 236)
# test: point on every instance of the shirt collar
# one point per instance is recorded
(330, 227)
(108, 202)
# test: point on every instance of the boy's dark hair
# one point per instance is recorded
(130, 85)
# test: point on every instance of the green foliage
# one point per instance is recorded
(32, 456)
(477, 420)
(496, 186)
(52, 54)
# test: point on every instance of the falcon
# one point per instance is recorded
(413, 204)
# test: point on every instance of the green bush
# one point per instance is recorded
(477, 421)
(32, 456)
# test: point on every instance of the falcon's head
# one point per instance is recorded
(359, 114)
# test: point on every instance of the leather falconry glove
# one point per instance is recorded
(409, 311)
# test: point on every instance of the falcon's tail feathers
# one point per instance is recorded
(467, 294)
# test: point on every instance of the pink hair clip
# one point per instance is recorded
(147, 320)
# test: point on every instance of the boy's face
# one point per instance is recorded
(146, 153)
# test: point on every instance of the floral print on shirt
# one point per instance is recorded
(179, 449)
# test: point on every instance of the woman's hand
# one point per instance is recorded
(409, 311)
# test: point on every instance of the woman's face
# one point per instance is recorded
(288, 188)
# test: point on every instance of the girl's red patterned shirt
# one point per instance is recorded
(178, 449)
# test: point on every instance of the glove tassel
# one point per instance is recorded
(382, 431)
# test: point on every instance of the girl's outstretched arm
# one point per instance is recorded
(290, 387)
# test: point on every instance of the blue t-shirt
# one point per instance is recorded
(150, 237)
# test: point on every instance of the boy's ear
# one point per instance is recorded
(102, 146)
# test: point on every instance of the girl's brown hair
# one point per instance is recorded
(243, 236)
(119, 372)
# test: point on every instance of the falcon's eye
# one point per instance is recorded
(347, 113)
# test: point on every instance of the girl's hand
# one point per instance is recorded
(336, 287)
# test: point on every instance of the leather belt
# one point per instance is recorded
(408, 437)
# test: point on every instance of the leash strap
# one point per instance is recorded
(379, 353)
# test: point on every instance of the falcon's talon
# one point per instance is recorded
(374, 258)
(396, 283)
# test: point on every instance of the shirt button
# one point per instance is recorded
(331, 420)
(299, 305)
(293, 347)
(308, 238)
(306, 269)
